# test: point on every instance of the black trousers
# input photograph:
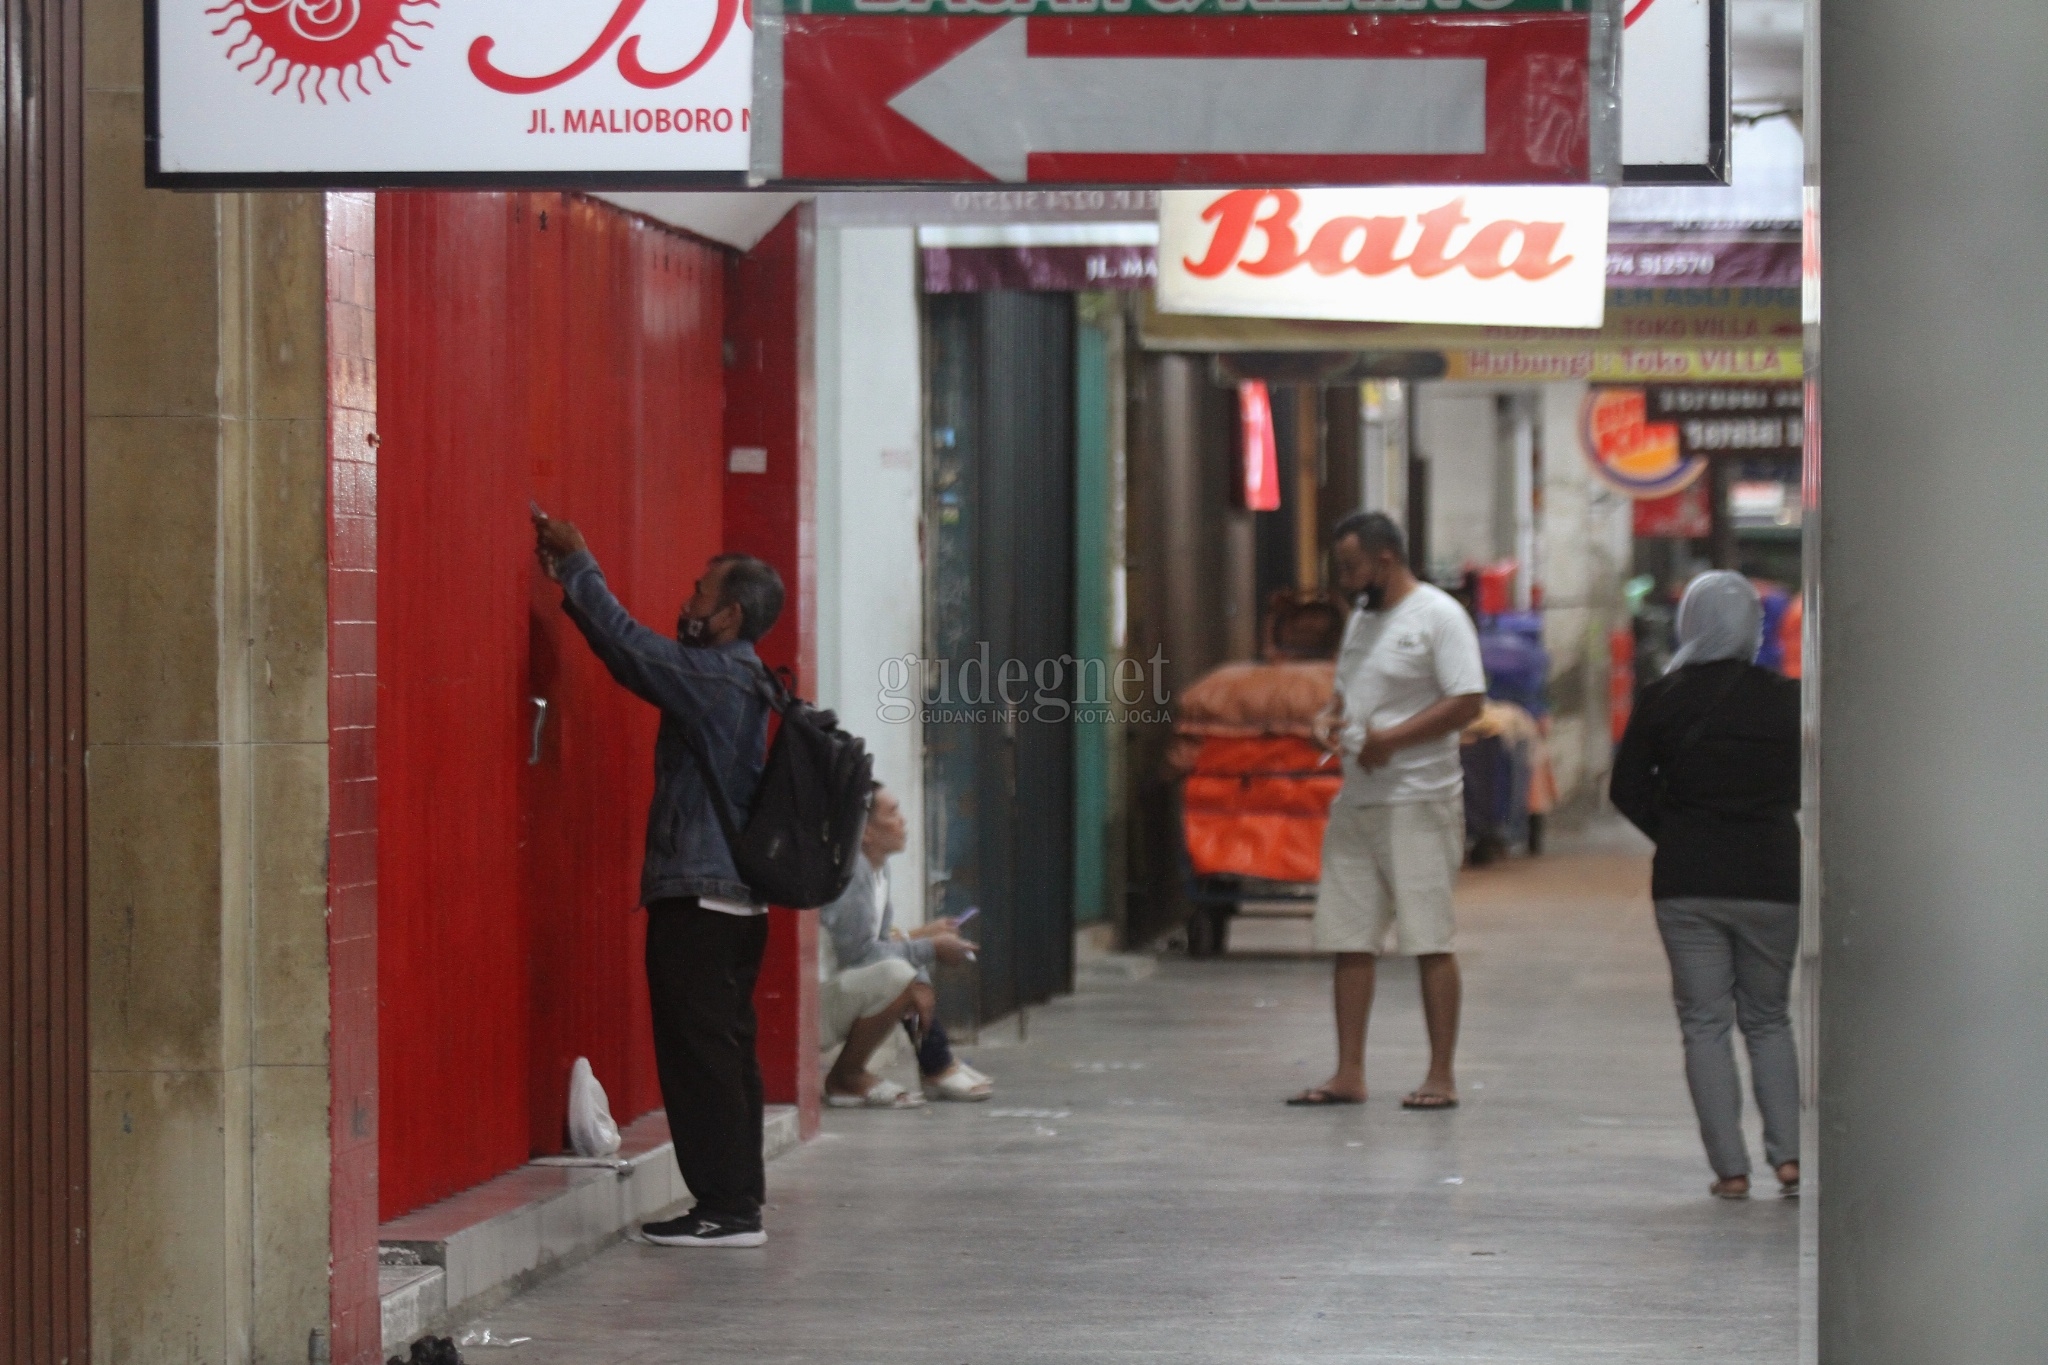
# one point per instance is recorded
(701, 966)
(935, 1053)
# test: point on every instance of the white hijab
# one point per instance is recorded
(1720, 617)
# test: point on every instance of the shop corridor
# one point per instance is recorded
(1136, 1191)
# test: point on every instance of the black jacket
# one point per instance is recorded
(1721, 807)
(719, 690)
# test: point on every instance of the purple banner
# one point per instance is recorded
(1053, 269)
(1703, 264)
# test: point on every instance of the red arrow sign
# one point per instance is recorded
(1205, 99)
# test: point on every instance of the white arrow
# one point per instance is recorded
(995, 104)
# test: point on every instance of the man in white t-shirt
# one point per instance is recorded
(1409, 680)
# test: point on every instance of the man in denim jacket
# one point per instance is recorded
(705, 929)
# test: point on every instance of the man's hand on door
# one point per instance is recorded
(554, 541)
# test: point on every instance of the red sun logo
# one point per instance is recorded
(312, 46)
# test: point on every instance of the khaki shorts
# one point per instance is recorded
(1388, 872)
(859, 993)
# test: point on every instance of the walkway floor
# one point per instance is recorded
(1136, 1192)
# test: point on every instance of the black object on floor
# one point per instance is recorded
(431, 1351)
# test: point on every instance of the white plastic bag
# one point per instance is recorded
(591, 1129)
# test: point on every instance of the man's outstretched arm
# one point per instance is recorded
(645, 662)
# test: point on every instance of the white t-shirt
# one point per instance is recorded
(1393, 666)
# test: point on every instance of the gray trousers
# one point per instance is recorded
(1731, 963)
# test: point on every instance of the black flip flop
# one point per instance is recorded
(1317, 1097)
(1429, 1103)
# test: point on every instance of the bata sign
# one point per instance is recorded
(1532, 256)
(341, 91)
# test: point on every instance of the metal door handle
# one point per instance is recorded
(540, 720)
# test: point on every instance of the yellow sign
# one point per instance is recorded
(1622, 364)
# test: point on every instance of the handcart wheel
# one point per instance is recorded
(1205, 931)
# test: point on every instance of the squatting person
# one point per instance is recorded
(705, 929)
(873, 975)
(1709, 769)
(1408, 680)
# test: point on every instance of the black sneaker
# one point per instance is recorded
(706, 1230)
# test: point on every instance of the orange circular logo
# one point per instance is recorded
(1631, 453)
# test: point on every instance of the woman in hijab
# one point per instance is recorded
(1709, 769)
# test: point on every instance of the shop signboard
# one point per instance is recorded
(1686, 515)
(1751, 420)
(383, 92)
(627, 93)
(1623, 364)
(1653, 441)
(1531, 256)
(1631, 453)
(1187, 91)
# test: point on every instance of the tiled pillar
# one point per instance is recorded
(207, 726)
(352, 770)
(1583, 536)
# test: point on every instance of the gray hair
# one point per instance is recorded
(754, 585)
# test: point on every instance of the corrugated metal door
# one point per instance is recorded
(530, 347)
(43, 1299)
(1000, 753)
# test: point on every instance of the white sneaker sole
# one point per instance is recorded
(737, 1239)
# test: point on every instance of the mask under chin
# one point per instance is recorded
(691, 630)
(1373, 598)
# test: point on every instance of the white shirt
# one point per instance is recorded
(1393, 666)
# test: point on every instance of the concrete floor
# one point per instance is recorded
(1136, 1192)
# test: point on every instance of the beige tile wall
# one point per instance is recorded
(206, 622)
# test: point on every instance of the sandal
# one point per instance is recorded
(1316, 1097)
(880, 1095)
(958, 1084)
(1429, 1100)
(1788, 1189)
(1734, 1187)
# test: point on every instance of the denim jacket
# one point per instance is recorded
(719, 690)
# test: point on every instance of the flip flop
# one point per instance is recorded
(1427, 1102)
(1316, 1097)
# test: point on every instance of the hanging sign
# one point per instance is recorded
(1674, 92)
(1529, 256)
(1187, 91)
(1733, 419)
(1687, 515)
(1260, 447)
(382, 92)
(1607, 364)
(1631, 453)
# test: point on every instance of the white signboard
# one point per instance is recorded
(347, 91)
(622, 93)
(1674, 91)
(1533, 256)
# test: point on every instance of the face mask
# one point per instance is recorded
(1374, 598)
(692, 630)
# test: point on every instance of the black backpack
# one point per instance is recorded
(803, 831)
